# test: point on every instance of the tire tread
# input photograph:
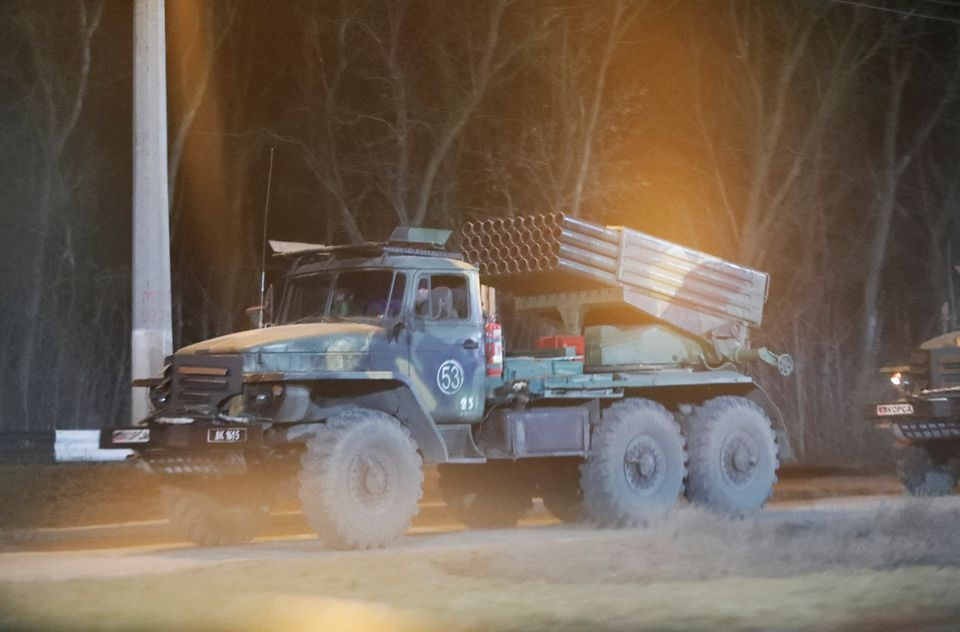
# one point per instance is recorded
(318, 479)
(702, 487)
(601, 501)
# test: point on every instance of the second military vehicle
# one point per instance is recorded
(925, 418)
(384, 356)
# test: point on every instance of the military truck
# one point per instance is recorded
(382, 357)
(924, 418)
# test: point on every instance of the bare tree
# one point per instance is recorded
(939, 199)
(790, 73)
(899, 148)
(219, 138)
(622, 15)
(324, 70)
(575, 122)
(778, 129)
(391, 149)
(60, 89)
(197, 33)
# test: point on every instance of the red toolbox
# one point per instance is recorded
(559, 342)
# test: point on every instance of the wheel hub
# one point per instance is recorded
(739, 458)
(369, 479)
(644, 464)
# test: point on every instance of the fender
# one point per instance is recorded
(759, 397)
(385, 391)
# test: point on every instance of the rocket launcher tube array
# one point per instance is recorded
(552, 254)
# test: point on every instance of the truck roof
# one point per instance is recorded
(392, 260)
(408, 248)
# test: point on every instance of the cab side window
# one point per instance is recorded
(442, 297)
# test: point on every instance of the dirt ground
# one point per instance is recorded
(856, 564)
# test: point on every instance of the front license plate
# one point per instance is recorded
(226, 435)
(132, 435)
(890, 410)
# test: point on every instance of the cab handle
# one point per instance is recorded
(470, 343)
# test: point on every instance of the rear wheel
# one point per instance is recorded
(210, 521)
(733, 456)
(634, 471)
(360, 479)
(488, 496)
(921, 473)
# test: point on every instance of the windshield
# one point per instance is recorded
(344, 295)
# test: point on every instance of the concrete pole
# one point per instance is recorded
(152, 335)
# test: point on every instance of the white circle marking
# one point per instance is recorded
(450, 377)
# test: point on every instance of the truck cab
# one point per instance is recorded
(924, 418)
(416, 316)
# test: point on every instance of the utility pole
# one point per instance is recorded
(151, 335)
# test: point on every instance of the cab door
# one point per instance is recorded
(446, 345)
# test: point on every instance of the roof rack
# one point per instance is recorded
(405, 240)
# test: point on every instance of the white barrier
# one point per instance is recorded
(83, 445)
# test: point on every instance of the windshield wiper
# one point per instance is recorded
(314, 318)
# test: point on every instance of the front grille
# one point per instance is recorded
(920, 369)
(938, 368)
(219, 465)
(945, 363)
(205, 381)
(930, 430)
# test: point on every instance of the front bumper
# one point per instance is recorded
(925, 430)
(200, 434)
(202, 447)
(918, 419)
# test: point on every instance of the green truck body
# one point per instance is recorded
(377, 359)
(924, 417)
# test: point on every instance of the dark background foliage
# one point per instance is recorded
(811, 139)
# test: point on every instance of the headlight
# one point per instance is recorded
(160, 394)
(263, 398)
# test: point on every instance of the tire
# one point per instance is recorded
(494, 495)
(205, 520)
(561, 493)
(634, 471)
(360, 480)
(921, 474)
(733, 456)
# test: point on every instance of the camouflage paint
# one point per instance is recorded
(408, 354)
(542, 258)
(448, 377)
(297, 348)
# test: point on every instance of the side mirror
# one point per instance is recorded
(254, 316)
(261, 315)
(397, 328)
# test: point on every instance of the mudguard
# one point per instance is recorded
(385, 391)
(760, 397)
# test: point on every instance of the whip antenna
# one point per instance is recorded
(263, 244)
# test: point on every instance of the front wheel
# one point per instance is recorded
(922, 474)
(634, 471)
(733, 456)
(360, 479)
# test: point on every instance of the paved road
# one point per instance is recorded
(78, 555)
(849, 564)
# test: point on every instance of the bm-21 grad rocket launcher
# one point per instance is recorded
(379, 357)
(641, 301)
